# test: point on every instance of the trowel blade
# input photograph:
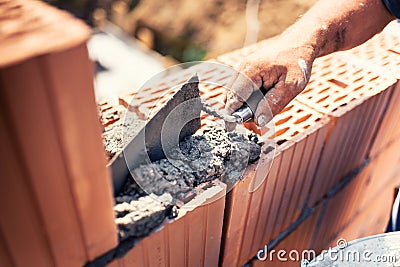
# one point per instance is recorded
(148, 145)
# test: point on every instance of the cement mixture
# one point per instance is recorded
(116, 135)
(216, 154)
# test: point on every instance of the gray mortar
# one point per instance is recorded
(215, 155)
(138, 213)
(116, 135)
(136, 218)
(219, 154)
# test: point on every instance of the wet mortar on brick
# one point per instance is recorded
(126, 125)
(167, 184)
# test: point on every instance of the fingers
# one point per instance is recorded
(263, 113)
(274, 102)
(289, 85)
(252, 74)
(287, 72)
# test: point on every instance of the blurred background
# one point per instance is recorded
(135, 39)
(188, 30)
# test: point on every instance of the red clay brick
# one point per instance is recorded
(361, 225)
(256, 215)
(345, 152)
(381, 54)
(46, 47)
(341, 208)
(389, 129)
(299, 240)
(384, 172)
(311, 152)
(109, 114)
(36, 28)
(21, 218)
(73, 106)
(381, 51)
(355, 98)
(366, 193)
(154, 94)
(372, 220)
(213, 78)
(192, 239)
(32, 111)
(5, 256)
(262, 233)
(237, 206)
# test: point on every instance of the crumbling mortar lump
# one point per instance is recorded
(165, 183)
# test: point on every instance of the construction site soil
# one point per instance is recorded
(184, 28)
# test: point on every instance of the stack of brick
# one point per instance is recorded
(353, 188)
(55, 189)
(267, 201)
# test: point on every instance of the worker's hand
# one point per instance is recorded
(283, 68)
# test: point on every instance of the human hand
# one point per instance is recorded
(283, 68)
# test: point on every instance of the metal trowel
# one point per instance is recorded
(178, 118)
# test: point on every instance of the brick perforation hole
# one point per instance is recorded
(295, 119)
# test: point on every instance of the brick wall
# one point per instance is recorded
(353, 189)
(331, 176)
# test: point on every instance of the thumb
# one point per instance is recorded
(243, 84)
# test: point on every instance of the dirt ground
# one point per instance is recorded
(191, 29)
(215, 26)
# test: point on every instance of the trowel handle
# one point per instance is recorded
(247, 111)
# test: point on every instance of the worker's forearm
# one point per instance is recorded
(331, 26)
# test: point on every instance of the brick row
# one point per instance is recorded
(389, 129)
(273, 192)
(361, 208)
(381, 54)
(337, 89)
(356, 100)
(191, 239)
(297, 241)
(375, 183)
(370, 221)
